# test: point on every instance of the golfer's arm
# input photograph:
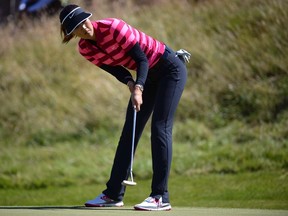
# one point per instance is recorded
(142, 63)
(119, 72)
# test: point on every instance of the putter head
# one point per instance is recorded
(129, 183)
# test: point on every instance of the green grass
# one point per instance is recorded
(61, 117)
(214, 190)
(79, 162)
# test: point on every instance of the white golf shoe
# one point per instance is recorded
(153, 204)
(103, 201)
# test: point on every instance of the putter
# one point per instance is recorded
(127, 182)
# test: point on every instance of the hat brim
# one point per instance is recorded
(71, 24)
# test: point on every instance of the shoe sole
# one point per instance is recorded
(104, 205)
(167, 208)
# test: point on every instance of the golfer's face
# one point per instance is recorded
(85, 30)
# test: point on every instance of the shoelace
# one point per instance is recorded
(106, 199)
(184, 55)
(153, 200)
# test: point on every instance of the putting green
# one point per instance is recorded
(127, 211)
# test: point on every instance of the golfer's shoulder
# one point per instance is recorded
(110, 22)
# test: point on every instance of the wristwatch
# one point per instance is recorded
(140, 87)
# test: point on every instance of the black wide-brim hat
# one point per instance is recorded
(71, 20)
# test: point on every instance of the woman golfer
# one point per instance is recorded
(115, 46)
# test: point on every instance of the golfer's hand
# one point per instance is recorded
(136, 98)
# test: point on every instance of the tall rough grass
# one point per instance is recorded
(233, 114)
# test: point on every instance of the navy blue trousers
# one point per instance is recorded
(162, 91)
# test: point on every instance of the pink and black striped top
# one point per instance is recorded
(114, 39)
